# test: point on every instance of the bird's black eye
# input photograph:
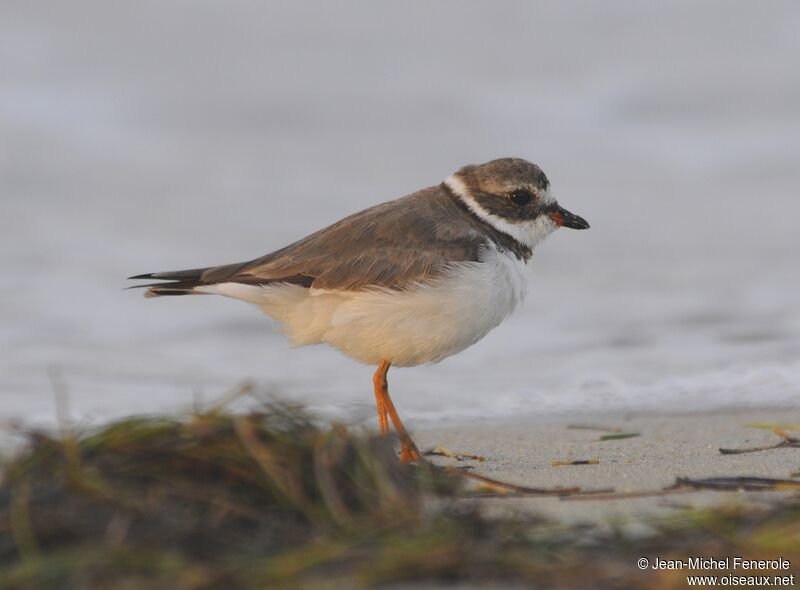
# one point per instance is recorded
(521, 197)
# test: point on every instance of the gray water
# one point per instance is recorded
(153, 135)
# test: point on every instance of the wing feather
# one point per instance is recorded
(392, 245)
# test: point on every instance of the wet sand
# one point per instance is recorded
(522, 451)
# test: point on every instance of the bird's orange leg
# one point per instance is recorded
(380, 385)
(408, 450)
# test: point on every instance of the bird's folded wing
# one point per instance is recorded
(391, 268)
(390, 246)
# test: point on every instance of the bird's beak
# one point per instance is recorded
(564, 218)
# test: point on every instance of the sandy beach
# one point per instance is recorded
(522, 451)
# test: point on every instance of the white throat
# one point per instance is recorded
(528, 232)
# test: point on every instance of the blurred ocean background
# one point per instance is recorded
(159, 135)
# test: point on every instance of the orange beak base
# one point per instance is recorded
(563, 218)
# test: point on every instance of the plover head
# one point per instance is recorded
(513, 195)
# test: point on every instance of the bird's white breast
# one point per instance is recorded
(423, 323)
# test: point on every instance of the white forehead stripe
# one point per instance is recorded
(546, 197)
(529, 233)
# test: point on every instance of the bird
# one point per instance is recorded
(407, 282)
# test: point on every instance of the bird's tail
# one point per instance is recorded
(178, 282)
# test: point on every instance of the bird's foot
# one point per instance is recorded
(409, 453)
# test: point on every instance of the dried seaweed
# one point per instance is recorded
(271, 499)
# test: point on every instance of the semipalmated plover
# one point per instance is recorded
(408, 282)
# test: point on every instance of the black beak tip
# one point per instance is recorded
(570, 220)
(580, 223)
